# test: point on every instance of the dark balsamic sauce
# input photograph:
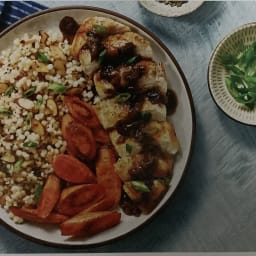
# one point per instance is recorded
(68, 27)
(172, 102)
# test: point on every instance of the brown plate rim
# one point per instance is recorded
(168, 52)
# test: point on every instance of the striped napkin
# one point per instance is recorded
(11, 11)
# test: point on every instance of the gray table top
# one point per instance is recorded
(214, 208)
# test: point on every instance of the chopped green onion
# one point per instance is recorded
(122, 97)
(18, 164)
(9, 91)
(29, 92)
(38, 192)
(30, 144)
(39, 102)
(3, 168)
(128, 148)
(5, 111)
(28, 121)
(100, 29)
(42, 57)
(140, 186)
(132, 60)
(60, 88)
(102, 55)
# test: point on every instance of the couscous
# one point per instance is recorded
(34, 74)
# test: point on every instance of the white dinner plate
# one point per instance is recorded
(183, 120)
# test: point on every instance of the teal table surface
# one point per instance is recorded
(214, 207)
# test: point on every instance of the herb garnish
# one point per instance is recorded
(241, 81)
(42, 57)
(140, 186)
(60, 88)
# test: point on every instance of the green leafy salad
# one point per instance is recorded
(241, 81)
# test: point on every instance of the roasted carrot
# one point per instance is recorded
(81, 139)
(66, 120)
(101, 135)
(49, 196)
(72, 170)
(75, 199)
(81, 111)
(106, 174)
(90, 223)
(30, 214)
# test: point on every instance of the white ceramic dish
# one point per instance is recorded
(245, 34)
(183, 119)
(167, 10)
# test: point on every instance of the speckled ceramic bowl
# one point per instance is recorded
(217, 73)
(168, 9)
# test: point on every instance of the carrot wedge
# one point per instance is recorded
(82, 140)
(49, 196)
(81, 111)
(106, 174)
(31, 215)
(90, 223)
(76, 198)
(72, 170)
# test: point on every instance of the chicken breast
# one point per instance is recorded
(145, 75)
(164, 134)
(99, 25)
(109, 112)
(116, 44)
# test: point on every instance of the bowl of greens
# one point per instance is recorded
(232, 74)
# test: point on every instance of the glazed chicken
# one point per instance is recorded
(133, 95)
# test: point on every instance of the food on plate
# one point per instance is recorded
(84, 130)
(241, 77)
(62, 164)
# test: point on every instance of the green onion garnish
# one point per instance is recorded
(28, 121)
(122, 97)
(42, 57)
(140, 186)
(99, 29)
(30, 144)
(39, 102)
(38, 192)
(29, 92)
(5, 111)
(60, 88)
(132, 60)
(128, 148)
(9, 91)
(3, 168)
(102, 55)
(18, 164)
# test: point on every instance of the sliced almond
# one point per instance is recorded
(37, 127)
(44, 37)
(3, 87)
(25, 103)
(8, 158)
(52, 106)
(57, 53)
(59, 65)
(41, 67)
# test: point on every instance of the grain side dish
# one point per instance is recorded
(34, 73)
(83, 126)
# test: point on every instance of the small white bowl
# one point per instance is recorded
(165, 9)
(246, 34)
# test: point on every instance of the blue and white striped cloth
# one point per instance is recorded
(12, 11)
